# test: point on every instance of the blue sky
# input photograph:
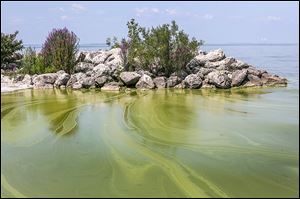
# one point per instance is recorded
(214, 22)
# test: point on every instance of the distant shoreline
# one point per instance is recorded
(103, 45)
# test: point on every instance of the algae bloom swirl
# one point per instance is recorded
(162, 143)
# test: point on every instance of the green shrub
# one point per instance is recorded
(59, 50)
(164, 47)
(32, 63)
(9, 46)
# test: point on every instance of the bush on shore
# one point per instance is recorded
(59, 50)
(164, 48)
(33, 63)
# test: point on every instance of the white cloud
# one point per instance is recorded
(77, 7)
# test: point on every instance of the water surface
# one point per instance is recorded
(163, 143)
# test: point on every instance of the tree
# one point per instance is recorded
(164, 49)
(59, 50)
(9, 46)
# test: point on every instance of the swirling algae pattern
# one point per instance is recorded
(163, 143)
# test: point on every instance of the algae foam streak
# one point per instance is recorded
(162, 143)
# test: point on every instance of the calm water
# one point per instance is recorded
(162, 143)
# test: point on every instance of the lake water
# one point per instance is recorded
(161, 143)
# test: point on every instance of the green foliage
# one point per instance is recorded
(112, 42)
(33, 63)
(59, 50)
(9, 46)
(164, 47)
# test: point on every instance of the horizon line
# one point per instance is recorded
(208, 44)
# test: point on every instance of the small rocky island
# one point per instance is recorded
(103, 69)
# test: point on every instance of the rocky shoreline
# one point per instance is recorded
(103, 69)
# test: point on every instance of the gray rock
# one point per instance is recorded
(253, 80)
(229, 63)
(255, 71)
(181, 74)
(212, 56)
(44, 80)
(62, 79)
(224, 64)
(238, 77)
(193, 81)
(173, 81)
(76, 85)
(160, 82)
(130, 78)
(88, 82)
(238, 65)
(27, 80)
(114, 59)
(144, 72)
(206, 84)
(205, 71)
(145, 82)
(180, 85)
(111, 86)
(100, 81)
(194, 66)
(83, 67)
(77, 77)
(18, 78)
(272, 80)
(102, 69)
(200, 75)
(80, 56)
(90, 73)
(219, 79)
(94, 57)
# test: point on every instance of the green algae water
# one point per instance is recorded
(161, 143)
